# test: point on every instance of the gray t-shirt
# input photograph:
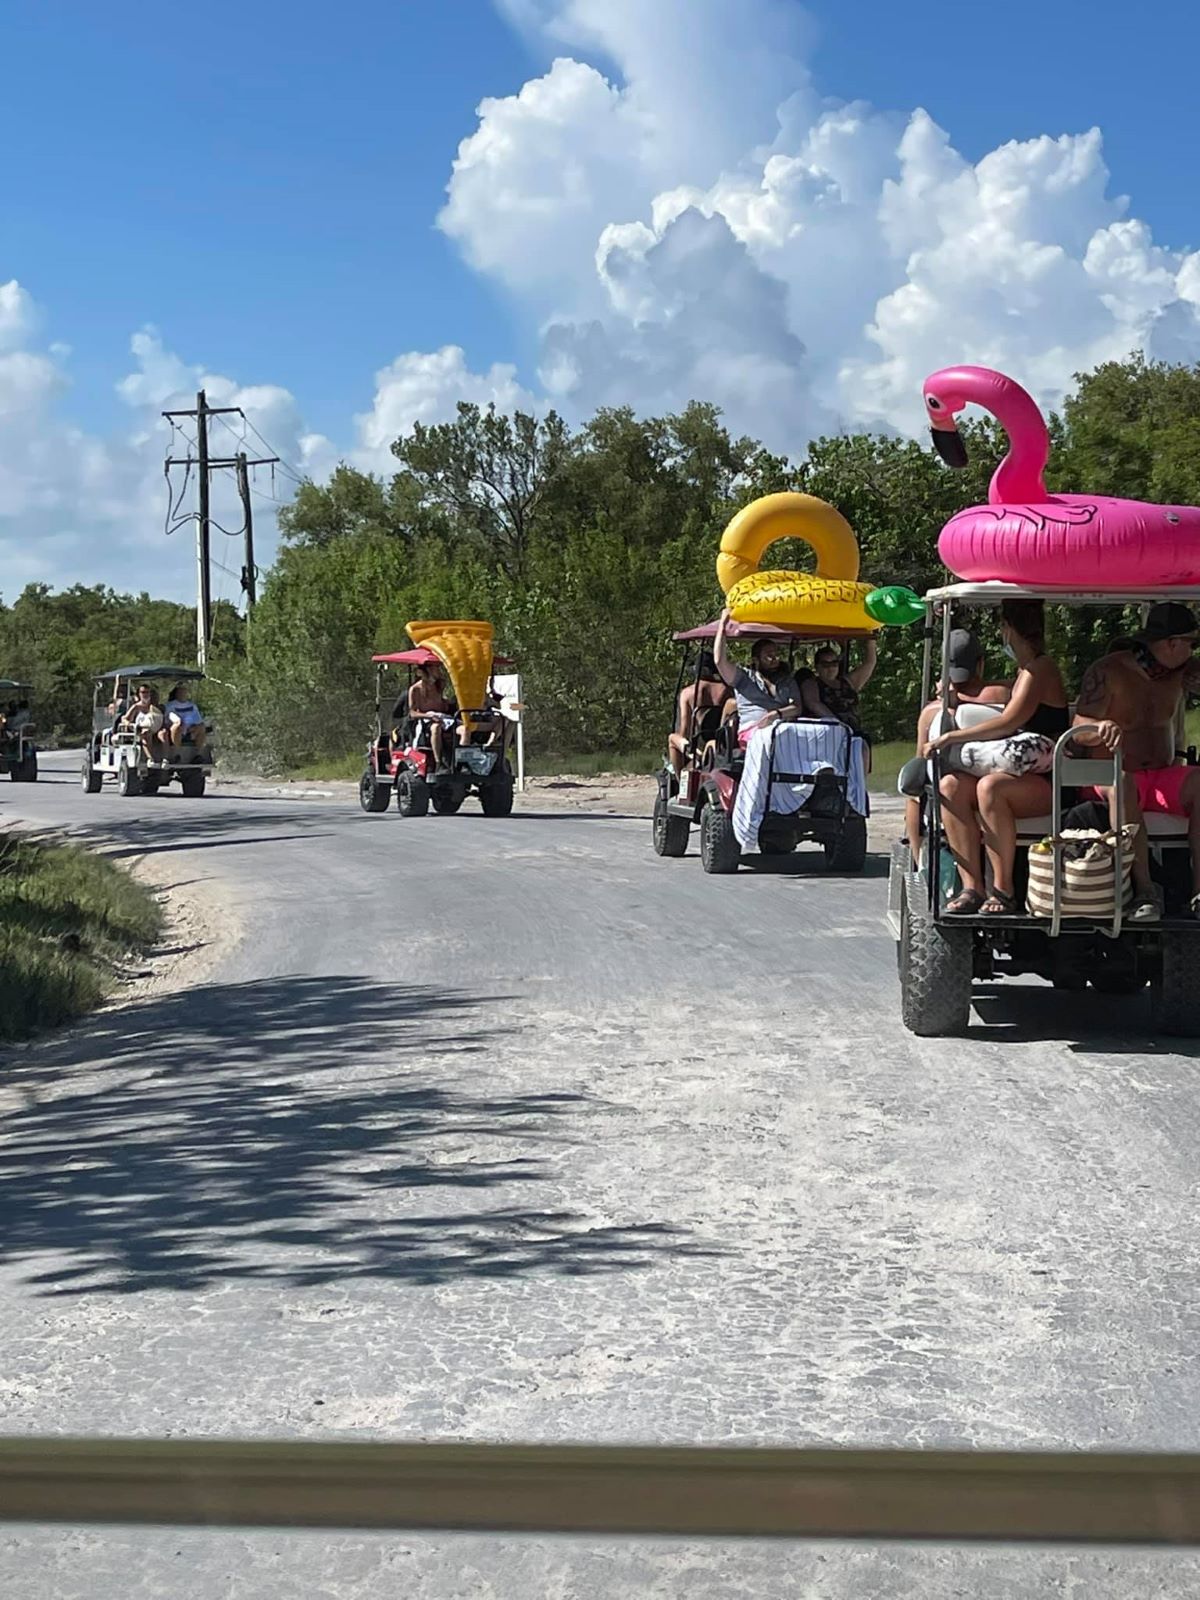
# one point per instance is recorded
(756, 696)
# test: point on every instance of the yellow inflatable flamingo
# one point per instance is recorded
(832, 597)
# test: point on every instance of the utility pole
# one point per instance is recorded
(204, 568)
(248, 575)
(207, 465)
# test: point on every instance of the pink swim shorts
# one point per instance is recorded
(1161, 790)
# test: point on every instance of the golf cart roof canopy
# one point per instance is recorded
(993, 594)
(153, 671)
(419, 656)
(761, 630)
(7, 685)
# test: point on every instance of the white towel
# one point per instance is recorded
(805, 747)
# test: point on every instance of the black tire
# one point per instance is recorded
(193, 783)
(412, 795)
(447, 801)
(848, 851)
(935, 969)
(90, 781)
(25, 770)
(496, 798)
(129, 782)
(1179, 997)
(719, 849)
(373, 795)
(1114, 968)
(670, 833)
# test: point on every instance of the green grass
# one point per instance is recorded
(592, 763)
(350, 766)
(886, 761)
(68, 920)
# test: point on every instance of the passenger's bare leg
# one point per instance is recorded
(1002, 798)
(1142, 880)
(437, 740)
(962, 829)
(912, 828)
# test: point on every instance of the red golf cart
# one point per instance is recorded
(815, 804)
(406, 764)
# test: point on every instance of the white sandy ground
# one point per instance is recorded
(507, 1129)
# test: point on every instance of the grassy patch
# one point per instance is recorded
(67, 922)
(350, 766)
(886, 761)
(592, 763)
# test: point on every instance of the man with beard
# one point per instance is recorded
(766, 692)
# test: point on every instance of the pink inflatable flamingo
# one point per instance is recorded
(1026, 535)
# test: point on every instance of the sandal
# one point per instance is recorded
(999, 904)
(965, 904)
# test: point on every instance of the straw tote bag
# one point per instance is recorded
(1089, 869)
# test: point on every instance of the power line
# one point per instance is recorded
(205, 522)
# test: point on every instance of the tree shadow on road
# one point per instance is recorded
(296, 1131)
(154, 827)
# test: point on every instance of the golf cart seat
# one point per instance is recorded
(1160, 829)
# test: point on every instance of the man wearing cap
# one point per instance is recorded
(1133, 696)
(964, 662)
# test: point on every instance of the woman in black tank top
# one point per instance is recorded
(985, 810)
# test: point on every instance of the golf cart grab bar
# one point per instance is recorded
(1106, 772)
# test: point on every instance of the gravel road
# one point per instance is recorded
(506, 1129)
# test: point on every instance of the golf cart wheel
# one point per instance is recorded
(935, 969)
(1179, 998)
(670, 833)
(128, 780)
(496, 799)
(848, 851)
(90, 781)
(1114, 968)
(193, 783)
(719, 849)
(412, 795)
(447, 801)
(25, 770)
(372, 794)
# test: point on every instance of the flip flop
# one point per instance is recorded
(999, 904)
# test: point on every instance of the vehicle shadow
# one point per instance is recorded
(809, 862)
(294, 1132)
(1092, 1023)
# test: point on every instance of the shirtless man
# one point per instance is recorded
(1133, 697)
(967, 687)
(427, 702)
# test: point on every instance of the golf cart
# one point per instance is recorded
(116, 751)
(18, 749)
(820, 798)
(940, 957)
(408, 766)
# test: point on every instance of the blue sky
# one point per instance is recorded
(264, 188)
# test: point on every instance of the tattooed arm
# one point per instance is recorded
(1095, 704)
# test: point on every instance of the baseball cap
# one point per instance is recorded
(963, 657)
(1168, 620)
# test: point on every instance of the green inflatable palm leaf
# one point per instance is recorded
(894, 605)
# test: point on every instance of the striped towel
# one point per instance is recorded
(799, 747)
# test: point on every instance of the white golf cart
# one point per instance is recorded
(940, 957)
(117, 749)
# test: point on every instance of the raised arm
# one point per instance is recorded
(721, 653)
(860, 677)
